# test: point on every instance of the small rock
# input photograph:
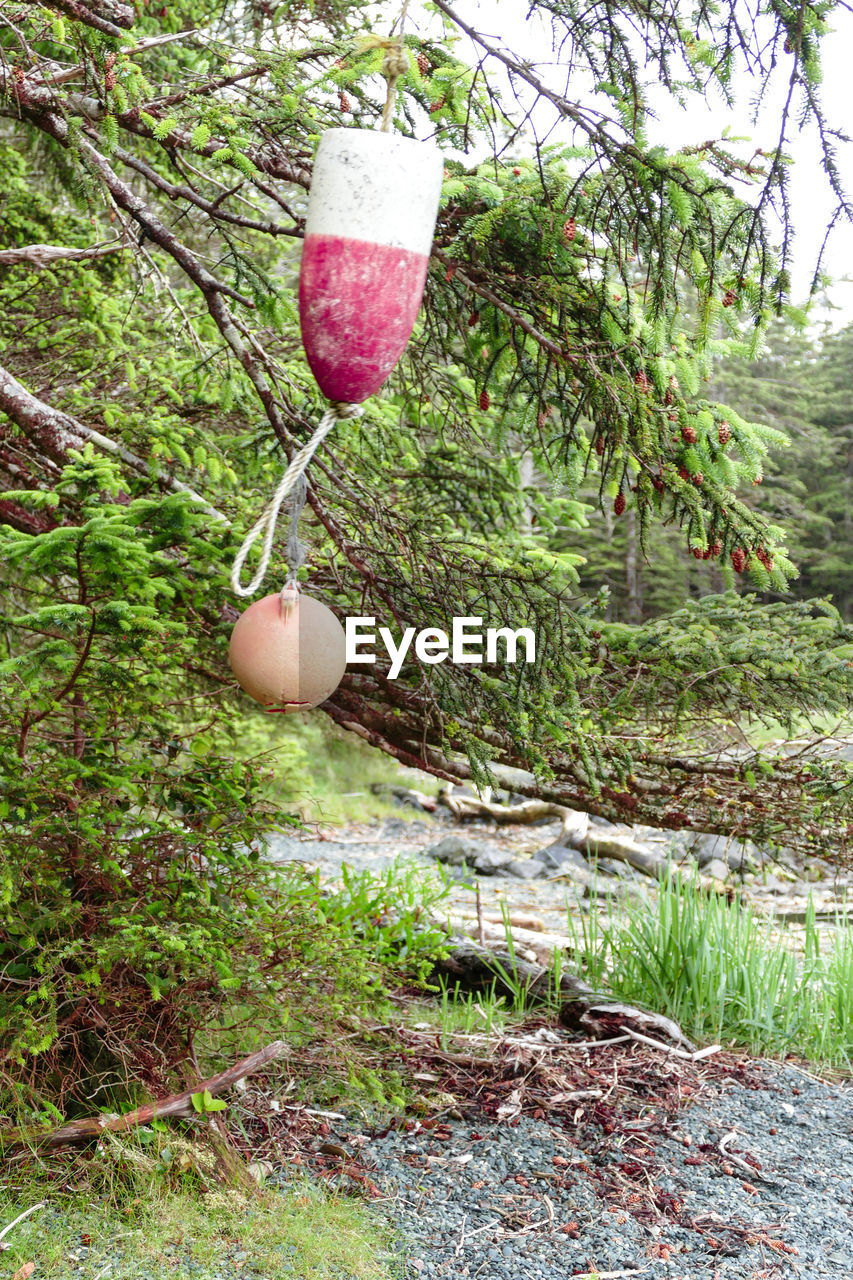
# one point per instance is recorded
(491, 861)
(737, 855)
(716, 868)
(526, 869)
(453, 851)
(559, 857)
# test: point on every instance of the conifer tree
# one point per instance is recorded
(155, 165)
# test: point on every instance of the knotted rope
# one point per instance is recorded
(292, 483)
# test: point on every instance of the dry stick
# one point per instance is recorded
(481, 929)
(176, 1105)
(677, 1053)
(39, 255)
(20, 1218)
(754, 1174)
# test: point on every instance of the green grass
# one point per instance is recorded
(725, 973)
(141, 1229)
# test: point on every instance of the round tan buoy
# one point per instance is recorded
(288, 652)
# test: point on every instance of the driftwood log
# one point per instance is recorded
(462, 805)
(475, 968)
(576, 833)
(90, 1128)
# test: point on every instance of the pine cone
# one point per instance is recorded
(716, 548)
(599, 445)
(424, 65)
(724, 433)
(684, 473)
(437, 105)
(345, 102)
(688, 435)
(569, 230)
(642, 381)
(619, 504)
(738, 559)
(485, 400)
(698, 479)
(729, 298)
(473, 319)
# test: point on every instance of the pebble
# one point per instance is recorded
(460, 1220)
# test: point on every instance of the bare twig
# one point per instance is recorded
(20, 1218)
(90, 1128)
(39, 255)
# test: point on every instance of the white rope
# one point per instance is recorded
(267, 522)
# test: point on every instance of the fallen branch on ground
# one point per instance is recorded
(177, 1105)
(477, 968)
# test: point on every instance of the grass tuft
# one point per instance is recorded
(144, 1227)
(726, 973)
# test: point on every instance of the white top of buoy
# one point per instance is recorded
(374, 186)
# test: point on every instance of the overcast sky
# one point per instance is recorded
(812, 202)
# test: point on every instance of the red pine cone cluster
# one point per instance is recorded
(729, 298)
(642, 381)
(688, 435)
(739, 559)
(345, 102)
(599, 445)
(710, 552)
(764, 558)
(473, 319)
(619, 504)
(437, 105)
(658, 483)
(698, 478)
(423, 64)
(684, 473)
(485, 400)
(570, 230)
(724, 433)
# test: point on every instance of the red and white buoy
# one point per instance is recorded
(288, 651)
(368, 235)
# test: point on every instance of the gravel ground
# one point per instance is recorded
(745, 1175)
(753, 1181)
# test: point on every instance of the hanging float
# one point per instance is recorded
(288, 651)
(368, 235)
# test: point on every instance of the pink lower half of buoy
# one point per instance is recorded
(358, 302)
